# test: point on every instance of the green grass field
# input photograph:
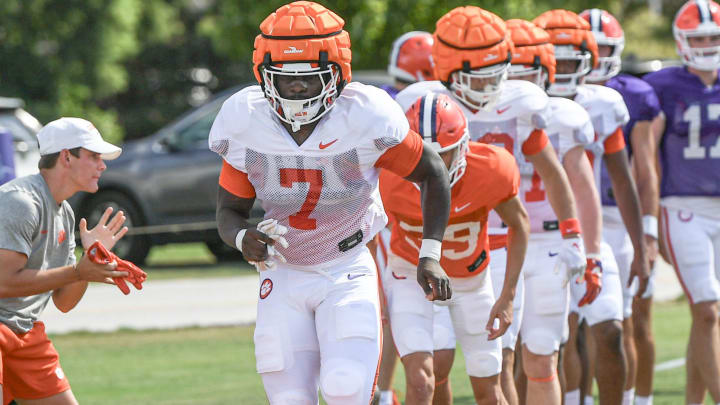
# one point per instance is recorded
(216, 365)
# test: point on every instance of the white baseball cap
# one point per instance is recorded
(70, 133)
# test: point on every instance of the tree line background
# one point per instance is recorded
(131, 66)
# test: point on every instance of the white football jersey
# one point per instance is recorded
(521, 109)
(325, 190)
(608, 112)
(569, 126)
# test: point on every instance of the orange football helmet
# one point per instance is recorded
(442, 124)
(698, 18)
(472, 49)
(573, 41)
(533, 57)
(302, 38)
(607, 32)
(411, 57)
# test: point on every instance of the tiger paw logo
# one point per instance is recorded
(265, 288)
(61, 236)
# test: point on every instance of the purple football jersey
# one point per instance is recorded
(643, 105)
(690, 145)
(392, 91)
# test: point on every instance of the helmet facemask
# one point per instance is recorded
(566, 83)
(608, 66)
(459, 161)
(298, 112)
(707, 58)
(531, 73)
(492, 79)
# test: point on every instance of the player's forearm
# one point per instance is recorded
(66, 298)
(232, 215)
(645, 146)
(435, 201)
(557, 187)
(27, 282)
(627, 198)
(586, 195)
(517, 246)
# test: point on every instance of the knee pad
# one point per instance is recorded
(343, 380)
(483, 364)
(270, 353)
(540, 342)
(292, 397)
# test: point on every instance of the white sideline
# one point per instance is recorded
(670, 364)
(169, 304)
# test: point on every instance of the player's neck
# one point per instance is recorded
(708, 77)
(302, 134)
(59, 184)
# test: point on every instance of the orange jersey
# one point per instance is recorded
(491, 177)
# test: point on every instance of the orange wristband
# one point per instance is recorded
(570, 225)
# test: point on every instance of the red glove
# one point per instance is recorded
(593, 281)
(98, 254)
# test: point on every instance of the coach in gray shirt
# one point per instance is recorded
(37, 259)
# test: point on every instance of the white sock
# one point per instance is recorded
(644, 400)
(386, 398)
(589, 400)
(628, 396)
(572, 397)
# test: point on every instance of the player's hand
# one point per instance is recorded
(103, 271)
(592, 279)
(106, 232)
(254, 245)
(571, 259)
(503, 312)
(135, 276)
(267, 234)
(433, 280)
(640, 269)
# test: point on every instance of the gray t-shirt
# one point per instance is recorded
(32, 223)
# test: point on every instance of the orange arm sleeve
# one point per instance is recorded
(614, 142)
(535, 143)
(401, 159)
(235, 181)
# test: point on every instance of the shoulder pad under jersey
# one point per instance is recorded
(604, 103)
(411, 93)
(526, 101)
(570, 121)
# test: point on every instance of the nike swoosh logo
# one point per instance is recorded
(500, 111)
(462, 207)
(398, 277)
(551, 254)
(352, 276)
(323, 146)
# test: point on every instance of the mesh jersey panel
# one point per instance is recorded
(322, 200)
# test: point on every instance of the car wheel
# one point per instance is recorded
(131, 247)
(223, 252)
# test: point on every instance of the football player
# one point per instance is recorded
(310, 144)
(569, 129)
(472, 54)
(410, 61)
(576, 55)
(644, 109)
(482, 178)
(690, 158)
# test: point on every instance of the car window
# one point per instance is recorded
(195, 135)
